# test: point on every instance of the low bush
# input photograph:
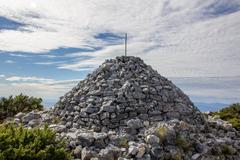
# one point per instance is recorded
(123, 142)
(30, 144)
(228, 150)
(182, 142)
(21, 103)
(230, 114)
(161, 132)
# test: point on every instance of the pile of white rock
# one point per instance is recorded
(174, 139)
(122, 89)
(125, 110)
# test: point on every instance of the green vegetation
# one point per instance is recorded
(182, 142)
(56, 120)
(28, 144)
(161, 132)
(228, 150)
(123, 142)
(21, 103)
(230, 114)
(177, 157)
(235, 123)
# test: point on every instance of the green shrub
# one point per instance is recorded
(235, 123)
(230, 114)
(123, 142)
(177, 157)
(56, 120)
(21, 103)
(182, 142)
(228, 150)
(30, 144)
(161, 132)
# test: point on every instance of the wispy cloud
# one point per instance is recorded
(17, 78)
(44, 90)
(9, 61)
(172, 36)
(18, 55)
(37, 86)
(49, 63)
(2, 76)
(210, 89)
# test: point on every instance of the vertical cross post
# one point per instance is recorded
(125, 44)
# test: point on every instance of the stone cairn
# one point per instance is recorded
(125, 110)
(122, 89)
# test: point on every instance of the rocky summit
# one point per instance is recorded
(125, 110)
(120, 93)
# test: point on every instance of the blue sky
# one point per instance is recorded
(47, 46)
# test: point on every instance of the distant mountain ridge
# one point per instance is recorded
(204, 107)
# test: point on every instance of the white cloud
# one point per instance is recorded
(97, 58)
(49, 63)
(210, 89)
(171, 35)
(9, 61)
(36, 86)
(2, 76)
(18, 78)
(43, 90)
(18, 55)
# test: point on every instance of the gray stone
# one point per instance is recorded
(77, 108)
(141, 150)
(172, 115)
(86, 139)
(87, 154)
(143, 116)
(69, 124)
(30, 116)
(195, 156)
(77, 152)
(135, 123)
(152, 139)
(101, 135)
(156, 152)
(132, 150)
(145, 90)
(75, 125)
(146, 123)
(58, 128)
(33, 122)
(106, 154)
(145, 157)
(231, 134)
(156, 118)
(199, 147)
(72, 135)
(108, 107)
(46, 118)
(19, 115)
(16, 120)
(90, 109)
(138, 95)
(72, 144)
